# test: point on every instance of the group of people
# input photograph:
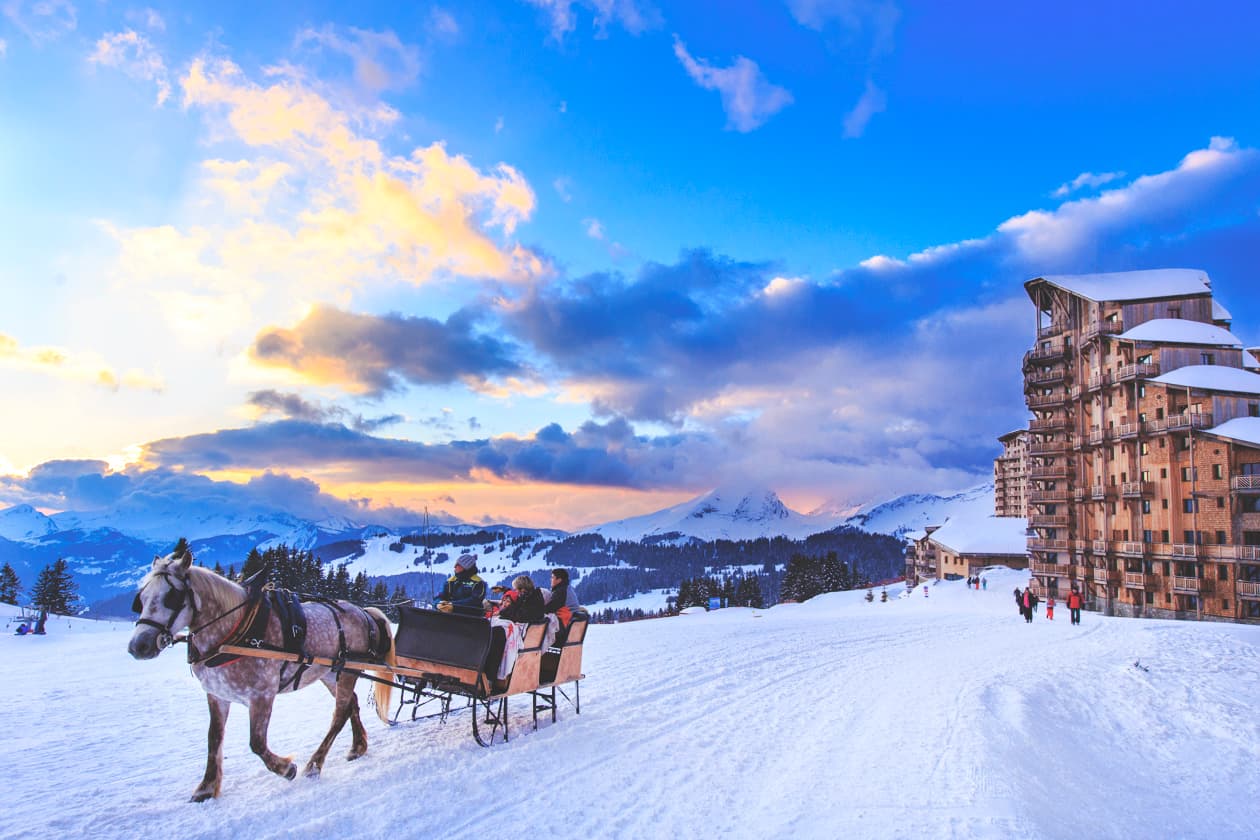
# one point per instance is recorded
(24, 629)
(465, 593)
(1027, 601)
(977, 582)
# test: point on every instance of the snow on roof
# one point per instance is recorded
(1181, 331)
(1219, 312)
(1013, 433)
(1251, 358)
(1242, 429)
(984, 535)
(1213, 378)
(1134, 285)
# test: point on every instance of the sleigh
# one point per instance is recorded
(446, 662)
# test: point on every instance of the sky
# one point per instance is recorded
(937, 716)
(559, 262)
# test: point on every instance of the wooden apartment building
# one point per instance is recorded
(1010, 475)
(1144, 447)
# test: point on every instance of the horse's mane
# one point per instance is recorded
(214, 587)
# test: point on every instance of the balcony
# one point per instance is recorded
(1079, 494)
(1048, 447)
(1136, 489)
(1185, 585)
(1101, 491)
(1248, 589)
(1052, 569)
(1052, 424)
(1059, 494)
(1097, 436)
(1230, 552)
(1047, 400)
(1137, 580)
(1098, 379)
(1047, 520)
(1106, 576)
(1042, 544)
(1047, 352)
(1245, 483)
(1041, 378)
(1131, 549)
(1043, 472)
(1179, 421)
(1105, 327)
(1139, 371)
(1099, 546)
(1125, 431)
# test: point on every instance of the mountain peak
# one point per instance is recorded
(23, 522)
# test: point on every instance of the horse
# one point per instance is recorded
(176, 594)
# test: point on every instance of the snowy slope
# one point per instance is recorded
(938, 716)
(725, 514)
(915, 511)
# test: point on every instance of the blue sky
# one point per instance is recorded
(560, 262)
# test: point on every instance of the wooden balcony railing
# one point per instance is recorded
(1248, 589)
(1047, 447)
(1144, 371)
(1040, 472)
(1044, 377)
(1136, 489)
(1185, 585)
(1049, 520)
(1136, 580)
(1043, 544)
(1130, 548)
(1051, 424)
(1125, 430)
(1055, 569)
(1245, 483)
(1059, 494)
(1046, 400)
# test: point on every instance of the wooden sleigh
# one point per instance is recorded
(442, 659)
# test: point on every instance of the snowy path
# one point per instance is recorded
(923, 717)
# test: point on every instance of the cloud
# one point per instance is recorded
(380, 60)
(1088, 180)
(293, 406)
(443, 24)
(4, 47)
(563, 186)
(150, 19)
(136, 56)
(82, 367)
(875, 20)
(375, 355)
(594, 228)
(871, 103)
(748, 98)
(632, 15)
(42, 21)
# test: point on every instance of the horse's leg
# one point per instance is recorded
(345, 701)
(259, 720)
(209, 786)
(360, 745)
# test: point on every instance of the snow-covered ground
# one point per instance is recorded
(932, 716)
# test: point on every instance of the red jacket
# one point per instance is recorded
(1074, 601)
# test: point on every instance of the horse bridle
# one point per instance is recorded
(175, 600)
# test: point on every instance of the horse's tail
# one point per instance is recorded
(383, 691)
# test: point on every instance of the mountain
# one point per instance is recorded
(23, 522)
(915, 511)
(723, 514)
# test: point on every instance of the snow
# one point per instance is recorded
(1181, 331)
(915, 512)
(984, 535)
(1219, 312)
(1134, 285)
(1212, 378)
(1242, 429)
(723, 514)
(23, 522)
(929, 716)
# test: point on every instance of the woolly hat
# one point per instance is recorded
(466, 561)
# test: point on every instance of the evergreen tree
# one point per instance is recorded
(253, 564)
(181, 547)
(10, 586)
(55, 590)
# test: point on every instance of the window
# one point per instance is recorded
(1146, 506)
(1185, 442)
(1225, 604)
(1207, 358)
(1253, 409)
(1163, 504)
(1250, 469)
(1218, 471)
(1188, 474)
(1163, 472)
(1162, 443)
(1159, 413)
(1220, 502)
(1146, 448)
(1222, 571)
(1163, 537)
(1146, 475)
(1189, 505)
(1150, 597)
(1148, 536)
(1187, 537)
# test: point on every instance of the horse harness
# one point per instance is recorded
(251, 628)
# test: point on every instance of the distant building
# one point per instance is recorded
(1144, 450)
(1010, 475)
(964, 547)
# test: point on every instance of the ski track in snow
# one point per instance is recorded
(944, 716)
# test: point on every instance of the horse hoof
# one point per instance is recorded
(201, 796)
(355, 754)
(311, 772)
(291, 773)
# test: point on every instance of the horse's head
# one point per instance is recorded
(165, 604)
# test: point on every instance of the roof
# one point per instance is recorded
(1251, 358)
(1212, 378)
(1242, 429)
(1133, 285)
(1219, 312)
(1013, 434)
(1181, 331)
(984, 535)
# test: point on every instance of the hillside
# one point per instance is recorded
(943, 716)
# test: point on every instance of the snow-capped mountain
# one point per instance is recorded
(23, 522)
(915, 511)
(723, 514)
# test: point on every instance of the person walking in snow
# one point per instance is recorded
(1050, 609)
(1028, 605)
(1075, 601)
(1019, 601)
(984, 584)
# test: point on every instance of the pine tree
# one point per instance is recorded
(10, 586)
(55, 590)
(181, 547)
(253, 564)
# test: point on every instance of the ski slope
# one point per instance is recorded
(937, 716)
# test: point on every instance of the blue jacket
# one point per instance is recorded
(466, 591)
